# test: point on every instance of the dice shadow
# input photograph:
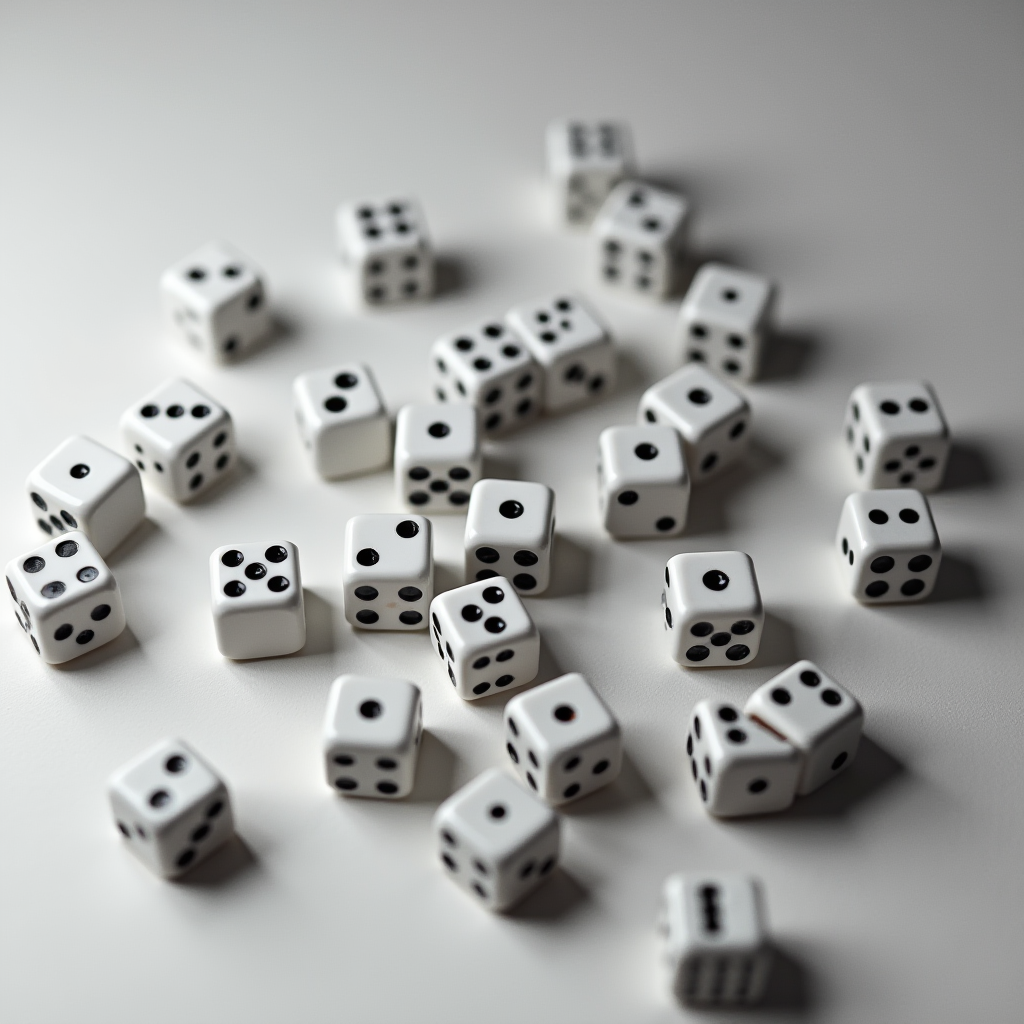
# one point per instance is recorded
(447, 577)
(787, 354)
(139, 537)
(229, 864)
(628, 789)
(788, 989)
(778, 643)
(320, 636)
(435, 771)
(285, 328)
(451, 275)
(571, 565)
(958, 580)
(116, 648)
(559, 896)
(970, 467)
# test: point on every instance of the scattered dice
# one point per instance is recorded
(897, 434)
(562, 739)
(510, 530)
(258, 607)
(573, 348)
(485, 638)
(714, 936)
(496, 839)
(181, 439)
(725, 319)
(372, 736)
(638, 238)
(65, 598)
(816, 715)
(385, 247)
(643, 485)
(216, 300)
(84, 486)
(342, 420)
(711, 417)
(388, 571)
(171, 807)
(738, 766)
(586, 159)
(489, 367)
(888, 545)
(437, 456)
(713, 609)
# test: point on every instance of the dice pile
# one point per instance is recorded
(499, 836)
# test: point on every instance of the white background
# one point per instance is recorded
(868, 157)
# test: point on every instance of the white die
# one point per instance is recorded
(586, 159)
(82, 485)
(712, 418)
(713, 609)
(489, 367)
(342, 420)
(65, 598)
(372, 736)
(573, 348)
(171, 807)
(437, 456)
(897, 435)
(888, 546)
(643, 485)
(182, 441)
(638, 236)
(725, 318)
(816, 715)
(510, 530)
(738, 766)
(496, 840)
(485, 638)
(714, 938)
(562, 739)
(216, 300)
(388, 571)
(385, 247)
(256, 593)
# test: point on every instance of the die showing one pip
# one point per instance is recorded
(888, 546)
(217, 301)
(643, 485)
(258, 607)
(372, 736)
(496, 840)
(342, 420)
(816, 715)
(82, 485)
(388, 571)
(725, 319)
(562, 739)
(437, 456)
(897, 435)
(711, 417)
(712, 606)
(510, 530)
(171, 808)
(65, 598)
(485, 638)
(738, 766)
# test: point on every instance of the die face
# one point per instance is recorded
(437, 456)
(644, 488)
(487, 366)
(182, 441)
(65, 598)
(496, 840)
(372, 736)
(388, 571)
(510, 528)
(897, 435)
(888, 546)
(585, 160)
(562, 739)
(816, 715)
(572, 347)
(739, 767)
(711, 417)
(85, 486)
(712, 608)
(171, 807)
(256, 594)
(485, 638)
